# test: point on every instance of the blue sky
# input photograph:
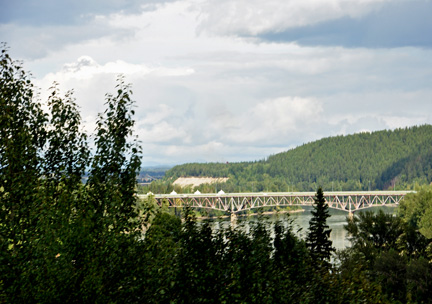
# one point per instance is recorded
(233, 80)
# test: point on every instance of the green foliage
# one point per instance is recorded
(416, 209)
(354, 282)
(291, 258)
(114, 167)
(161, 247)
(419, 280)
(62, 240)
(232, 266)
(371, 232)
(318, 237)
(390, 272)
(23, 137)
(390, 254)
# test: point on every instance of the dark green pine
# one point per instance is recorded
(318, 238)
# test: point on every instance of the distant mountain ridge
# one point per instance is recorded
(379, 160)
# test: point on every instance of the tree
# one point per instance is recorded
(116, 163)
(62, 240)
(419, 280)
(416, 209)
(22, 138)
(108, 226)
(290, 261)
(317, 239)
(390, 271)
(161, 247)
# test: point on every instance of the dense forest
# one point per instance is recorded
(396, 159)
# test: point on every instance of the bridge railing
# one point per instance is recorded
(236, 202)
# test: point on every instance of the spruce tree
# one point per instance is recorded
(317, 240)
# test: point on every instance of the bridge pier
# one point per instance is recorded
(351, 215)
(233, 218)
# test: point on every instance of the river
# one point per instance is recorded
(301, 222)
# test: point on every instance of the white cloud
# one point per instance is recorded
(204, 94)
(285, 113)
(162, 132)
(394, 122)
(160, 125)
(85, 68)
(277, 120)
(213, 151)
(160, 113)
(92, 80)
(253, 17)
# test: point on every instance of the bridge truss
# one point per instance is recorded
(237, 202)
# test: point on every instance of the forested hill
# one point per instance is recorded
(379, 160)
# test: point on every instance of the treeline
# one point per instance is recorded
(393, 251)
(388, 262)
(398, 159)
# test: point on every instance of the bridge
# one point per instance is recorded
(236, 202)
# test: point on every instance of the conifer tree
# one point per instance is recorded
(317, 240)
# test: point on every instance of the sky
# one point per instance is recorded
(232, 80)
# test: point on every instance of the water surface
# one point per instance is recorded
(336, 221)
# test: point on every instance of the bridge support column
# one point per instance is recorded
(233, 218)
(351, 215)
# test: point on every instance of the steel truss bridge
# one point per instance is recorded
(236, 202)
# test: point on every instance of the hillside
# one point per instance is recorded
(379, 160)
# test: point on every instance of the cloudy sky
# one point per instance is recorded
(233, 80)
